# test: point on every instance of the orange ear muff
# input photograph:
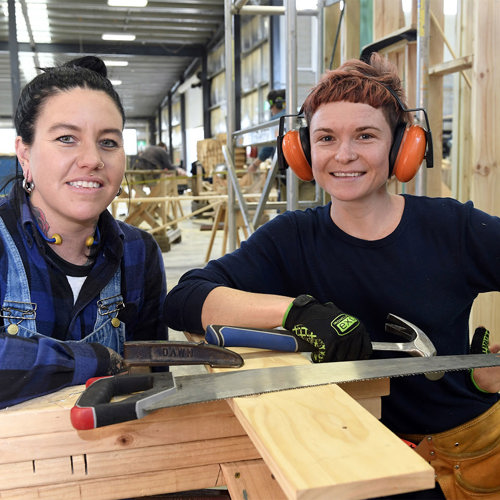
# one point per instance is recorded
(295, 149)
(409, 148)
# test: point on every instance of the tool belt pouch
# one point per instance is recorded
(466, 459)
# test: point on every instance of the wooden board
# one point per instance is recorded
(124, 486)
(319, 443)
(176, 449)
(251, 479)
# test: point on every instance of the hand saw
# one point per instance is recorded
(94, 409)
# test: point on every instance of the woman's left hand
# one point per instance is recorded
(488, 379)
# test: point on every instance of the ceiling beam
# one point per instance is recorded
(107, 49)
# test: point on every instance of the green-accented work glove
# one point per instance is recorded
(480, 341)
(335, 335)
(480, 345)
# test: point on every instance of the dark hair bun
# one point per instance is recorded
(90, 62)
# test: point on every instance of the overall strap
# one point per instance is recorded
(17, 305)
(110, 300)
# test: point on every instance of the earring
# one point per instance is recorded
(28, 186)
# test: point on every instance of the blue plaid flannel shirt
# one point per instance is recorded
(33, 367)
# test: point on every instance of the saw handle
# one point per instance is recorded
(93, 408)
(277, 340)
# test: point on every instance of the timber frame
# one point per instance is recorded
(472, 172)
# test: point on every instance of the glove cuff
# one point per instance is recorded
(285, 316)
(299, 302)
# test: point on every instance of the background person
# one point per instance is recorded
(277, 107)
(74, 282)
(370, 253)
(307, 191)
(154, 158)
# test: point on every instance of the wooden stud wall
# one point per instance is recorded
(485, 112)
(476, 125)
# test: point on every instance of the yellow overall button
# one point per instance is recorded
(12, 329)
(115, 322)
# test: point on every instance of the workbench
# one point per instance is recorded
(313, 443)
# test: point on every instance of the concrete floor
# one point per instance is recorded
(188, 254)
(191, 251)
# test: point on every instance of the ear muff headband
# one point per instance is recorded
(410, 146)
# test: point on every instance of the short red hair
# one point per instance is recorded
(357, 81)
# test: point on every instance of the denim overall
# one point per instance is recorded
(19, 312)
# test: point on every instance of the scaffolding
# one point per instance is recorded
(265, 133)
(262, 134)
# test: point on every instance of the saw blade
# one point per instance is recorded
(225, 385)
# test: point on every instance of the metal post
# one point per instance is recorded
(159, 131)
(292, 185)
(14, 56)
(170, 136)
(207, 132)
(422, 82)
(230, 115)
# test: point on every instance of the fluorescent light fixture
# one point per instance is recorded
(123, 37)
(127, 3)
(116, 82)
(116, 63)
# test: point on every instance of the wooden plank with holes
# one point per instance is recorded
(251, 479)
(126, 485)
(111, 464)
(319, 443)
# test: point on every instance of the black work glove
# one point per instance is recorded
(335, 335)
(480, 341)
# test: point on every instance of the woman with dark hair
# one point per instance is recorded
(75, 283)
(370, 252)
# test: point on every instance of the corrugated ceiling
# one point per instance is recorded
(169, 36)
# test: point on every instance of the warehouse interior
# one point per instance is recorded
(199, 72)
(195, 75)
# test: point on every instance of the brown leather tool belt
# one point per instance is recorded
(466, 459)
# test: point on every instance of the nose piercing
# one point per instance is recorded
(100, 165)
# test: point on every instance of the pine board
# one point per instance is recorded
(319, 443)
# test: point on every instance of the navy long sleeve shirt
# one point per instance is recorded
(428, 271)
